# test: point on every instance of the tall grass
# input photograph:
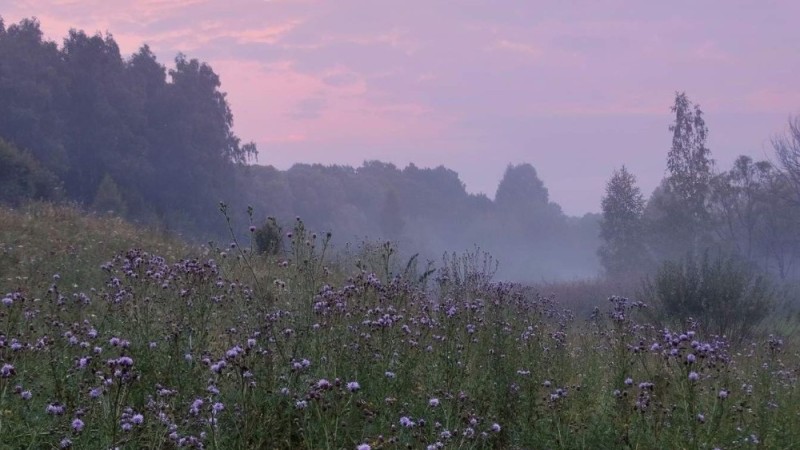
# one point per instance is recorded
(112, 338)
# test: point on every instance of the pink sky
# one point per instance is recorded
(574, 88)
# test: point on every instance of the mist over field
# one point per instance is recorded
(373, 225)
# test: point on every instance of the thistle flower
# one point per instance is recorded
(137, 419)
(495, 428)
(363, 447)
(406, 422)
(723, 394)
(353, 386)
(434, 402)
(7, 370)
(77, 425)
(693, 376)
(26, 395)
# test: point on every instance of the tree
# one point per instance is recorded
(623, 251)
(787, 149)
(391, 217)
(22, 178)
(689, 163)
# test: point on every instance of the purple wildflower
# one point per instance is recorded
(77, 425)
(353, 386)
(7, 370)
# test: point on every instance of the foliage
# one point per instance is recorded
(787, 150)
(623, 252)
(23, 178)
(87, 113)
(724, 294)
(269, 237)
(214, 348)
(108, 198)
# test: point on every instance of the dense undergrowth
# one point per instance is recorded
(116, 338)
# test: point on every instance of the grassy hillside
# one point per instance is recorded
(112, 337)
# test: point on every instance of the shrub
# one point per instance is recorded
(23, 178)
(269, 237)
(727, 296)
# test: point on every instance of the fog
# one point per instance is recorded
(556, 184)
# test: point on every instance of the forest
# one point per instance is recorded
(126, 135)
(163, 287)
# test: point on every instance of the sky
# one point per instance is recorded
(574, 88)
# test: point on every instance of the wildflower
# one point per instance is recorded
(137, 419)
(547, 383)
(301, 404)
(77, 425)
(217, 407)
(323, 384)
(495, 428)
(8, 301)
(390, 375)
(434, 402)
(55, 409)
(693, 376)
(723, 394)
(701, 418)
(95, 392)
(252, 228)
(690, 358)
(65, 443)
(406, 422)
(195, 408)
(125, 361)
(628, 381)
(26, 395)
(363, 447)
(353, 386)
(7, 370)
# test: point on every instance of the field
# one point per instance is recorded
(116, 337)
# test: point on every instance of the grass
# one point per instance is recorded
(113, 337)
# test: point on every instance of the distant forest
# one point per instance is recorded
(81, 123)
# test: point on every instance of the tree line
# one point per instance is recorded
(79, 122)
(750, 211)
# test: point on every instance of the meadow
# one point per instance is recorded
(112, 336)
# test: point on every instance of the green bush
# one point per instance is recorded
(724, 294)
(269, 237)
(22, 178)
